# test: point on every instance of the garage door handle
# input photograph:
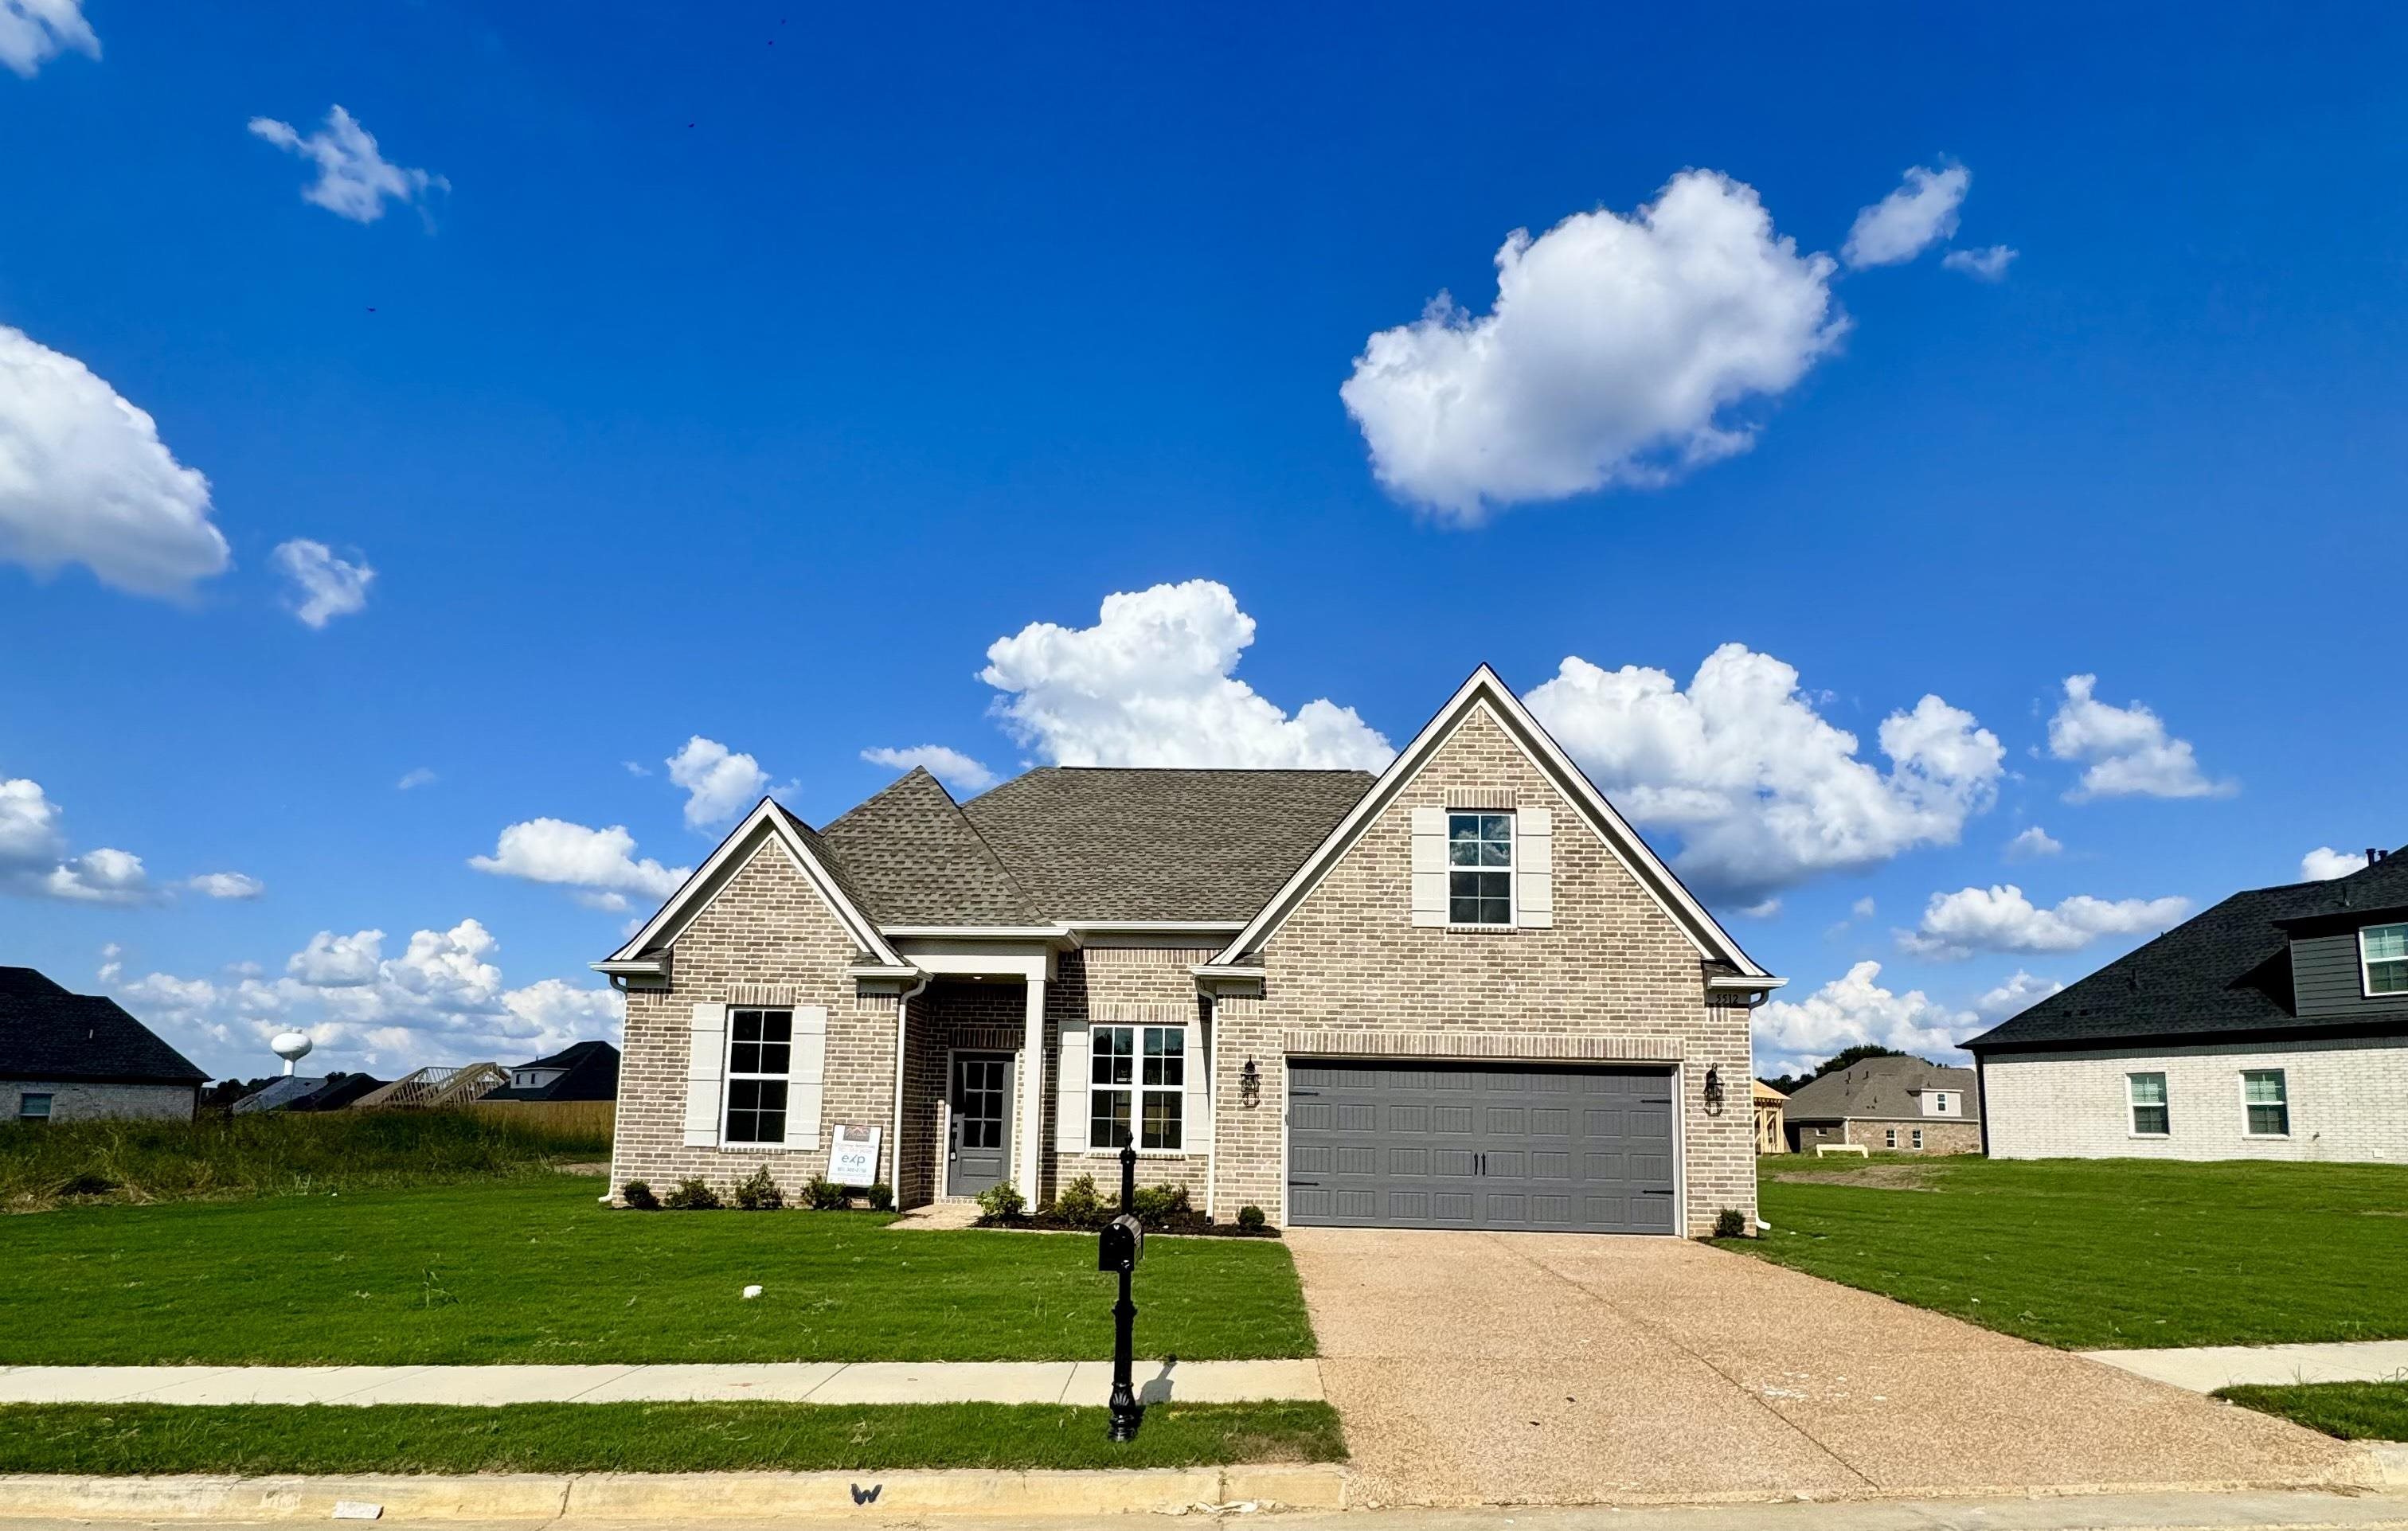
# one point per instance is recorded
(1479, 1164)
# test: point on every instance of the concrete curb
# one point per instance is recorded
(661, 1496)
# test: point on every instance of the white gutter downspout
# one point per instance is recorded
(902, 1038)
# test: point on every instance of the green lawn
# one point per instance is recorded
(534, 1270)
(2094, 1254)
(2352, 1411)
(252, 1439)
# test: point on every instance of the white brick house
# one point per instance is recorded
(2273, 1027)
(1463, 993)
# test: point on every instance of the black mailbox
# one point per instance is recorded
(1122, 1246)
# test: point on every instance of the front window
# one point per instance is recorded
(2264, 1096)
(1889, 1137)
(760, 1049)
(2383, 951)
(1139, 1075)
(33, 1106)
(1480, 868)
(2146, 1094)
(1919, 1137)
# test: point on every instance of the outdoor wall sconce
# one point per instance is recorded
(1250, 1085)
(1714, 1090)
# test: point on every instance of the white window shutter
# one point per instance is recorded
(806, 1082)
(1534, 862)
(1070, 1093)
(1429, 865)
(705, 1074)
(1195, 1111)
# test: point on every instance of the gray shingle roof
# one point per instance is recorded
(47, 1033)
(2227, 969)
(1879, 1088)
(912, 859)
(1126, 843)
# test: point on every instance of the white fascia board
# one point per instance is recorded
(696, 892)
(1144, 927)
(635, 966)
(977, 933)
(1486, 687)
(1751, 984)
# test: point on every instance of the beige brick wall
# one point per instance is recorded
(1615, 973)
(767, 926)
(2348, 1100)
(1087, 985)
(1941, 1135)
(87, 1100)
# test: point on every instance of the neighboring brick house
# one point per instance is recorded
(68, 1057)
(1892, 1105)
(1462, 992)
(2271, 1027)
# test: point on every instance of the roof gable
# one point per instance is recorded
(810, 855)
(47, 1033)
(1885, 1086)
(916, 861)
(1487, 690)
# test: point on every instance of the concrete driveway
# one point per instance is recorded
(1534, 1369)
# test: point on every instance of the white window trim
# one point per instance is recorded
(1512, 870)
(1889, 1137)
(48, 1099)
(2132, 1104)
(2366, 967)
(728, 1076)
(1914, 1136)
(2240, 1082)
(1137, 1087)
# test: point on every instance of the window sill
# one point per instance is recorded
(1142, 1154)
(768, 1148)
(1481, 930)
(2266, 1136)
(2150, 1136)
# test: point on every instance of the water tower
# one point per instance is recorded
(291, 1046)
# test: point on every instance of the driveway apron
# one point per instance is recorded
(1538, 1368)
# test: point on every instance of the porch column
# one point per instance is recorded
(1032, 1094)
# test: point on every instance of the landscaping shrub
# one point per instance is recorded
(1728, 1223)
(1250, 1216)
(823, 1195)
(639, 1195)
(1078, 1205)
(279, 1154)
(758, 1192)
(1158, 1206)
(691, 1197)
(1002, 1201)
(881, 1197)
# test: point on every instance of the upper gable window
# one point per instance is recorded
(1480, 868)
(2382, 953)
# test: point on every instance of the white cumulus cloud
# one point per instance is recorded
(951, 767)
(2017, 994)
(32, 31)
(99, 877)
(2324, 864)
(84, 478)
(337, 962)
(1988, 264)
(2000, 919)
(1908, 221)
(574, 856)
(2034, 843)
(1151, 684)
(719, 782)
(2126, 750)
(1618, 352)
(324, 587)
(35, 859)
(1761, 790)
(1854, 1011)
(227, 885)
(354, 179)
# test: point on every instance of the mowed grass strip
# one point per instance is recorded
(2107, 1254)
(534, 1270)
(2351, 1411)
(255, 1439)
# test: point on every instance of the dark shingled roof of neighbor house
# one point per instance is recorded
(47, 1033)
(2227, 969)
(1879, 1088)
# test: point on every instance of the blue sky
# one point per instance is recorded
(745, 375)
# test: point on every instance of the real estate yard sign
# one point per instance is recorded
(852, 1158)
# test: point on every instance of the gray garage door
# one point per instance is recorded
(1380, 1145)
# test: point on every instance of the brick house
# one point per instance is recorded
(1461, 993)
(69, 1057)
(1893, 1104)
(2274, 1025)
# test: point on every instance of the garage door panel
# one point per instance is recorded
(1480, 1144)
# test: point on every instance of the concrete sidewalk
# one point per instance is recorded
(802, 1381)
(2206, 1367)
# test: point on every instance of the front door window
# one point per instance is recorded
(978, 1148)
